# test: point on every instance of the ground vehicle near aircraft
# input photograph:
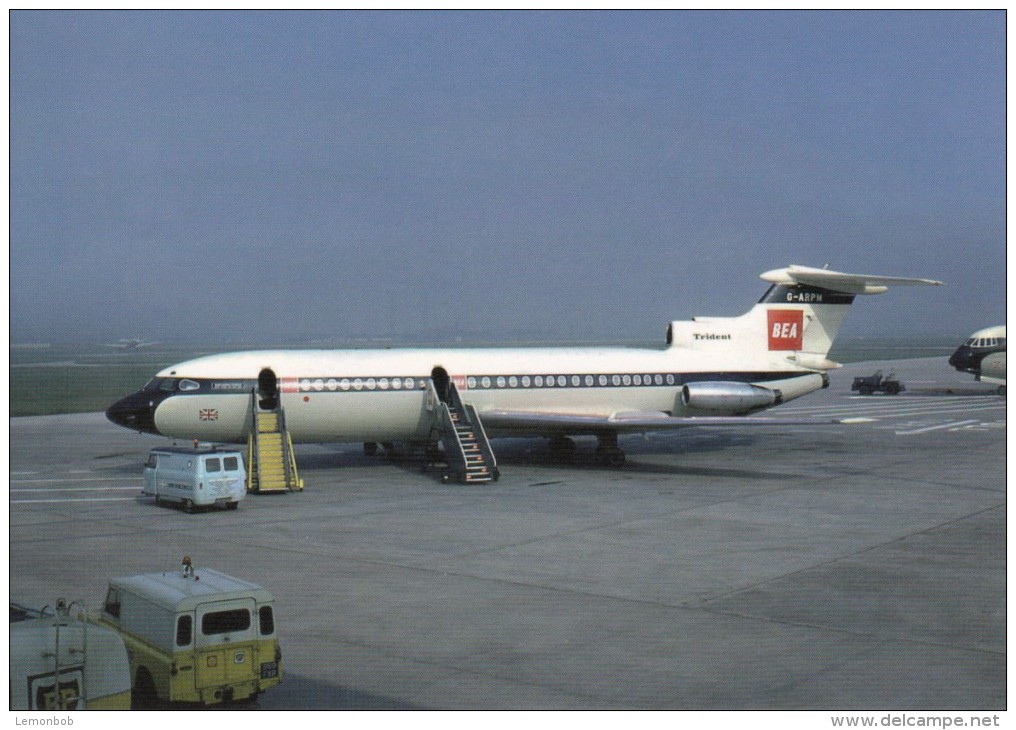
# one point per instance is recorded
(196, 636)
(713, 371)
(60, 662)
(983, 355)
(876, 383)
(195, 477)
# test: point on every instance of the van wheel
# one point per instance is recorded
(188, 506)
(143, 695)
(232, 505)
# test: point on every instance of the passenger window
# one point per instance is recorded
(230, 463)
(213, 465)
(184, 630)
(267, 620)
(112, 606)
(225, 622)
(189, 385)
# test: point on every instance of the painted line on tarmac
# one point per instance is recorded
(69, 479)
(79, 489)
(68, 501)
(951, 424)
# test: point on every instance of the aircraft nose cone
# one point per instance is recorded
(958, 359)
(136, 411)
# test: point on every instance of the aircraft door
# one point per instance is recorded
(439, 376)
(268, 390)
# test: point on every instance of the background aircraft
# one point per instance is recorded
(983, 355)
(133, 343)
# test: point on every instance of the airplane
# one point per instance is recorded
(713, 371)
(132, 343)
(983, 355)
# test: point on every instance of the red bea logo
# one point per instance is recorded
(786, 329)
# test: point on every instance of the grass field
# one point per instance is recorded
(83, 379)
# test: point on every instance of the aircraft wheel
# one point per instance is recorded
(612, 457)
(369, 448)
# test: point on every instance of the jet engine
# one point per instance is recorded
(728, 397)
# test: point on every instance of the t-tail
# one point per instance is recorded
(793, 325)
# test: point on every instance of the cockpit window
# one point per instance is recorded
(171, 385)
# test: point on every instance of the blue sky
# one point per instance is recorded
(281, 177)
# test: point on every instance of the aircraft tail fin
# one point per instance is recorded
(795, 321)
(805, 307)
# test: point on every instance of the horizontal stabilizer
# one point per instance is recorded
(841, 282)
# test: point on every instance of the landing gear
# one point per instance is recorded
(608, 452)
(369, 448)
(562, 448)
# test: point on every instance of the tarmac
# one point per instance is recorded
(844, 567)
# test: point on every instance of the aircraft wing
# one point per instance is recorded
(628, 421)
(839, 281)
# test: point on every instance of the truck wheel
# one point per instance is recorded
(143, 695)
(188, 506)
(892, 389)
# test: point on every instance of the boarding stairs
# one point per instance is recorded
(271, 463)
(467, 450)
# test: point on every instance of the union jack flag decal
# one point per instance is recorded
(208, 414)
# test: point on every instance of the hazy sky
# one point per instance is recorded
(283, 176)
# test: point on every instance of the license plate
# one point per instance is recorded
(269, 670)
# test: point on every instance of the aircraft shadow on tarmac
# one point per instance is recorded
(534, 453)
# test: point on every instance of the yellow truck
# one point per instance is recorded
(196, 636)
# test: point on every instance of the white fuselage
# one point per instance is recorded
(385, 395)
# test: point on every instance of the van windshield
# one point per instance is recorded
(231, 463)
(213, 465)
